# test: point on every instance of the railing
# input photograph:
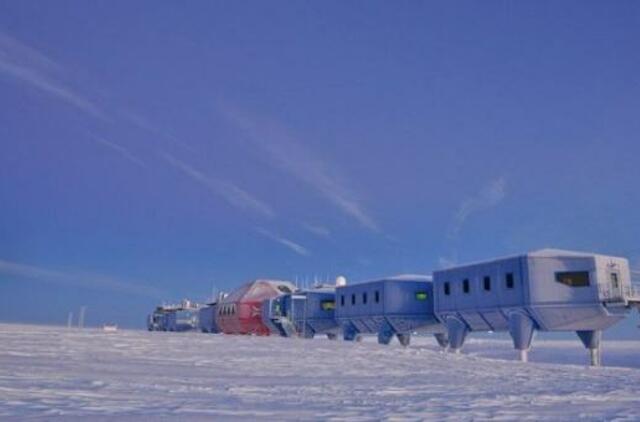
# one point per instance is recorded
(634, 293)
(623, 294)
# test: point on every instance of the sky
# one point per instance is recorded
(152, 151)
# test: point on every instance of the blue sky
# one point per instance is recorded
(153, 150)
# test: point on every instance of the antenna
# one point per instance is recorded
(81, 316)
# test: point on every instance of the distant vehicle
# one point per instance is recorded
(109, 328)
(241, 311)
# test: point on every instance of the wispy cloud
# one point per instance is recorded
(319, 231)
(231, 193)
(286, 153)
(489, 196)
(35, 69)
(145, 124)
(295, 247)
(122, 151)
(77, 279)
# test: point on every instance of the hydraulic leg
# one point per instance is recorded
(591, 340)
(385, 334)
(404, 339)
(457, 332)
(522, 329)
(442, 339)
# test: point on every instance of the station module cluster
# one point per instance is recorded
(545, 290)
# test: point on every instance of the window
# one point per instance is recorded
(465, 285)
(341, 300)
(421, 295)
(328, 305)
(486, 282)
(447, 288)
(614, 280)
(377, 296)
(353, 299)
(364, 298)
(509, 280)
(573, 278)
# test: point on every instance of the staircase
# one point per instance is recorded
(633, 295)
(286, 327)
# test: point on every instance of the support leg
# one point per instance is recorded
(442, 339)
(404, 339)
(522, 329)
(591, 340)
(384, 336)
(349, 333)
(457, 331)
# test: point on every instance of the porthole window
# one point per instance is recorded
(364, 298)
(341, 300)
(353, 299)
(466, 287)
(377, 296)
(447, 288)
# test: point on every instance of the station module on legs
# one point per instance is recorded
(393, 306)
(545, 290)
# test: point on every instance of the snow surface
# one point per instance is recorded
(56, 373)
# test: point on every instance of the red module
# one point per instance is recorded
(241, 311)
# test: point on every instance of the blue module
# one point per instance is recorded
(182, 319)
(303, 313)
(394, 306)
(156, 320)
(206, 318)
(547, 290)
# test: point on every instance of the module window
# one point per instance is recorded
(421, 296)
(573, 278)
(486, 281)
(509, 280)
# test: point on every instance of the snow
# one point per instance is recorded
(57, 373)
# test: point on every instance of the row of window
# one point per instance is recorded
(568, 278)
(365, 297)
(228, 309)
(509, 282)
(419, 295)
